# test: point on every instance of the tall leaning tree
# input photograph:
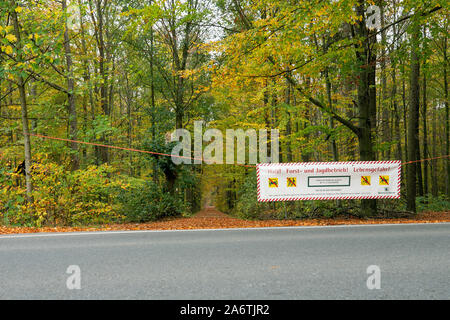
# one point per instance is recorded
(364, 43)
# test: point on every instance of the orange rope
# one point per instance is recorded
(421, 160)
(169, 155)
(122, 148)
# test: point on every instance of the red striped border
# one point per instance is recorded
(258, 181)
(326, 163)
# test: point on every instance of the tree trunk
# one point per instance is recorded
(413, 141)
(447, 121)
(399, 154)
(152, 88)
(425, 133)
(24, 110)
(434, 167)
(287, 101)
(98, 19)
(73, 124)
(179, 119)
(366, 93)
(330, 105)
(87, 76)
(383, 107)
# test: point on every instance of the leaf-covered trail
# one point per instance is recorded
(211, 212)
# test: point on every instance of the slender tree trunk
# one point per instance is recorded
(87, 76)
(334, 149)
(384, 110)
(287, 101)
(130, 121)
(447, 120)
(405, 121)
(306, 156)
(399, 154)
(97, 15)
(425, 134)
(414, 104)
(24, 109)
(152, 88)
(420, 192)
(434, 167)
(73, 124)
(179, 119)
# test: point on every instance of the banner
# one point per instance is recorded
(328, 180)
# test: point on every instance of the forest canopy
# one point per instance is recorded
(79, 75)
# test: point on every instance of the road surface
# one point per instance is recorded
(273, 263)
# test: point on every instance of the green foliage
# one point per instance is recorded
(248, 206)
(61, 197)
(164, 163)
(9, 199)
(434, 204)
(148, 202)
(101, 126)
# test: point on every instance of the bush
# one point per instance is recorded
(10, 198)
(433, 204)
(61, 197)
(148, 202)
(247, 206)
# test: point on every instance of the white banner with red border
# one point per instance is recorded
(328, 180)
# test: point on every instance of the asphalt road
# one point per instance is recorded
(279, 263)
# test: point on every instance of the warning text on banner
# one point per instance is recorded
(328, 180)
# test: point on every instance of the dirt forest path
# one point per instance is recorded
(211, 212)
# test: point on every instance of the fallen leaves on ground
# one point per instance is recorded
(213, 219)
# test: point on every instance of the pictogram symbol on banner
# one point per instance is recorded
(291, 182)
(365, 180)
(273, 182)
(384, 180)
